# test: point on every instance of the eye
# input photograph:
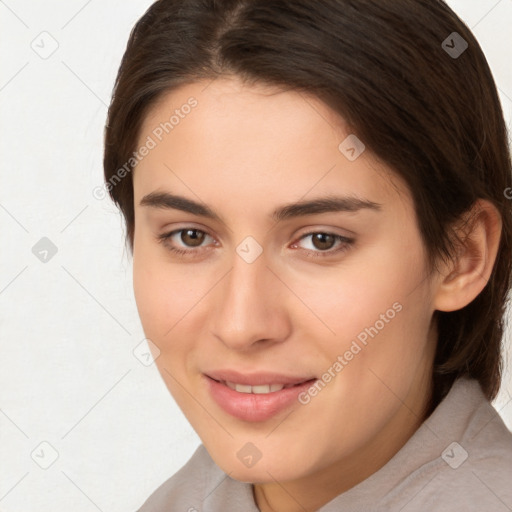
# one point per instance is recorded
(190, 238)
(322, 243)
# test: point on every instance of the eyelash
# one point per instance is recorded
(343, 246)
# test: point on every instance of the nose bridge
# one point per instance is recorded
(248, 309)
(245, 288)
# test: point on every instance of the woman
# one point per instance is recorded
(315, 194)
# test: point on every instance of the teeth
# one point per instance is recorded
(242, 388)
(257, 390)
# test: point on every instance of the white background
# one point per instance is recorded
(68, 375)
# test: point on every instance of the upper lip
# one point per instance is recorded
(256, 378)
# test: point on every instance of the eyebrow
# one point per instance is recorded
(165, 200)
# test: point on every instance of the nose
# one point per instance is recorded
(251, 306)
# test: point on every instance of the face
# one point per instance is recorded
(238, 289)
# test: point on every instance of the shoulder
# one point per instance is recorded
(473, 471)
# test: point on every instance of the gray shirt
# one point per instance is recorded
(460, 459)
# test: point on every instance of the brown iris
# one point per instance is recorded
(192, 237)
(322, 241)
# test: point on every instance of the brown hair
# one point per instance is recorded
(386, 67)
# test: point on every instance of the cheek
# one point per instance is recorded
(354, 298)
(381, 301)
(163, 297)
(156, 291)
(165, 305)
(145, 286)
(156, 285)
(384, 339)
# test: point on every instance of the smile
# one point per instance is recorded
(258, 401)
(257, 390)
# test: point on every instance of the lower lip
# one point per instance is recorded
(251, 406)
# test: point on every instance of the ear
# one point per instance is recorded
(464, 278)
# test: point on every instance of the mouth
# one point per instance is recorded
(256, 398)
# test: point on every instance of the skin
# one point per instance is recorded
(245, 150)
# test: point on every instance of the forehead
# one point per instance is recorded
(263, 142)
(257, 110)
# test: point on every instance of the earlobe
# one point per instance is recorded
(465, 277)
